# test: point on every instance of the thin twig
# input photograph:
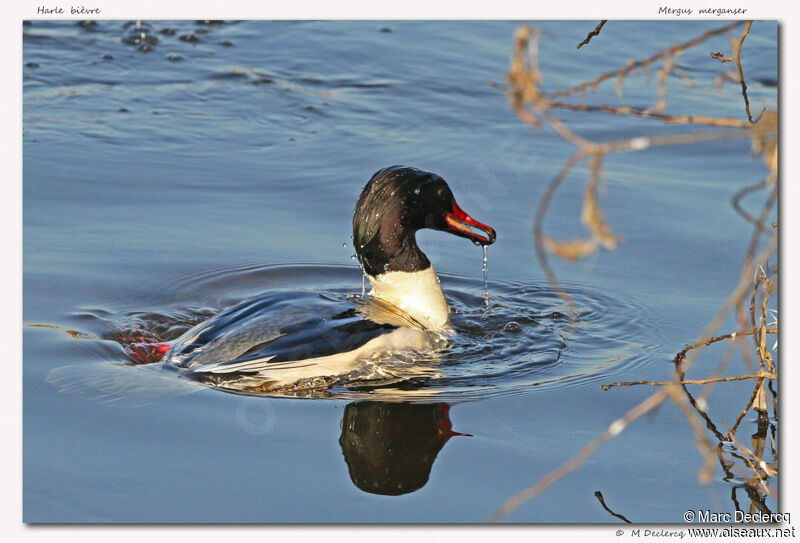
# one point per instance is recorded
(738, 293)
(593, 33)
(763, 352)
(755, 238)
(702, 343)
(748, 405)
(737, 206)
(759, 278)
(645, 405)
(533, 106)
(702, 412)
(736, 57)
(544, 203)
(723, 364)
(701, 439)
(755, 463)
(663, 75)
(599, 496)
(645, 142)
(611, 432)
(647, 61)
(759, 375)
(640, 112)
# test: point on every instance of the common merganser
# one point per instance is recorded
(251, 346)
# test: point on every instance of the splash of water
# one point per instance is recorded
(363, 283)
(486, 276)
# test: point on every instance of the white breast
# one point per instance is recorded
(419, 294)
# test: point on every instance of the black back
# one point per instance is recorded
(285, 325)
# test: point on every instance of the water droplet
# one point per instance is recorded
(417, 190)
(486, 275)
(353, 256)
(512, 327)
(363, 283)
(386, 267)
(344, 244)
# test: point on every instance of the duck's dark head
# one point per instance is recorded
(397, 202)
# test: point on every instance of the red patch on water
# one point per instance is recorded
(134, 335)
(141, 346)
(146, 353)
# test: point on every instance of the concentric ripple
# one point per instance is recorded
(524, 339)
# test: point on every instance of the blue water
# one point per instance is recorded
(162, 186)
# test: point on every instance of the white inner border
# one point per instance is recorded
(11, 109)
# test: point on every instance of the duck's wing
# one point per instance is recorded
(233, 331)
(305, 343)
(271, 337)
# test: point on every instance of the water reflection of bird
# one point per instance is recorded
(270, 341)
(390, 448)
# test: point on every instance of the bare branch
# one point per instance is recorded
(599, 496)
(703, 342)
(760, 375)
(645, 62)
(611, 432)
(593, 33)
